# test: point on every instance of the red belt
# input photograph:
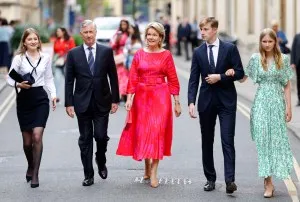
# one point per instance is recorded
(152, 80)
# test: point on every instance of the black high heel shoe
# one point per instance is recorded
(28, 178)
(34, 185)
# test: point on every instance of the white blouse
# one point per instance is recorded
(43, 75)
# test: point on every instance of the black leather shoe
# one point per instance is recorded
(209, 186)
(102, 170)
(88, 182)
(230, 187)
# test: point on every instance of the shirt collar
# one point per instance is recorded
(216, 43)
(41, 54)
(86, 47)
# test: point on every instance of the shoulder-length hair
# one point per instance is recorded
(22, 48)
(276, 50)
(65, 33)
(159, 28)
(120, 26)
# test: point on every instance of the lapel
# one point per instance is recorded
(97, 59)
(85, 62)
(220, 54)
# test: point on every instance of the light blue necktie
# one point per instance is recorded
(91, 60)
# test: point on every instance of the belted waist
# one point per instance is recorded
(152, 80)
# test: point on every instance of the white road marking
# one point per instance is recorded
(7, 104)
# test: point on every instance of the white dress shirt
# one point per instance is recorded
(87, 51)
(215, 50)
(43, 75)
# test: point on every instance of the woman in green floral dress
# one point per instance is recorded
(271, 109)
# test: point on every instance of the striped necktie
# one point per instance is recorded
(91, 60)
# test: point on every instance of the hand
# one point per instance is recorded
(230, 72)
(128, 104)
(213, 78)
(293, 66)
(70, 111)
(54, 103)
(177, 109)
(24, 85)
(192, 111)
(288, 115)
(114, 108)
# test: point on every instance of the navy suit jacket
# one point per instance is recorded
(88, 83)
(224, 90)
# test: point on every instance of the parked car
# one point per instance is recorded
(107, 27)
(226, 37)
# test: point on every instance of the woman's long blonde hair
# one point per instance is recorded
(22, 48)
(276, 49)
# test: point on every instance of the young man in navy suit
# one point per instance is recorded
(217, 97)
(91, 65)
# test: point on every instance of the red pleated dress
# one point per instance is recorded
(149, 124)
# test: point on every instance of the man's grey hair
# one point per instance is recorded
(86, 23)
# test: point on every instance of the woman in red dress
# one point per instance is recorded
(117, 44)
(149, 125)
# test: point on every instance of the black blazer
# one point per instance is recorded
(295, 52)
(228, 57)
(88, 84)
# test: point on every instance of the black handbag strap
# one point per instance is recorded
(34, 68)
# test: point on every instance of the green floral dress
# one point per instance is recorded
(267, 119)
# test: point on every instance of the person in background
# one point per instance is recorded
(133, 44)
(5, 46)
(32, 100)
(62, 44)
(167, 28)
(117, 43)
(295, 62)
(271, 109)
(149, 126)
(282, 40)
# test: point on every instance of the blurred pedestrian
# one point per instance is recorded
(282, 40)
(217, 97)
(184, 33)
(62, 44)
(194, 34)
(132, 45)
(167, 28)
(117, 43)
(271, 109)
(149, 104)
(5, 46)
(295, 61)
(32, 100)
(96, 95)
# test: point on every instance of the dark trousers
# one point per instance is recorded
(227, 124)
(298, 81)
(92, 123)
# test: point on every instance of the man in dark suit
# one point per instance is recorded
(217, 97)
(295, 61)
(94, 97)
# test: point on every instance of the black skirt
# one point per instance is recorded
(32, 108)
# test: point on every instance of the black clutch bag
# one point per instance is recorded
(20, 78)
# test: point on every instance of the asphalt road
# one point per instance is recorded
(181, 175)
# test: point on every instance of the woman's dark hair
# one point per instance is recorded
(120, 26)
(65, 32)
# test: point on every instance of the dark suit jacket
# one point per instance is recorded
(295, 52)
(88, 84)
(228, 57)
